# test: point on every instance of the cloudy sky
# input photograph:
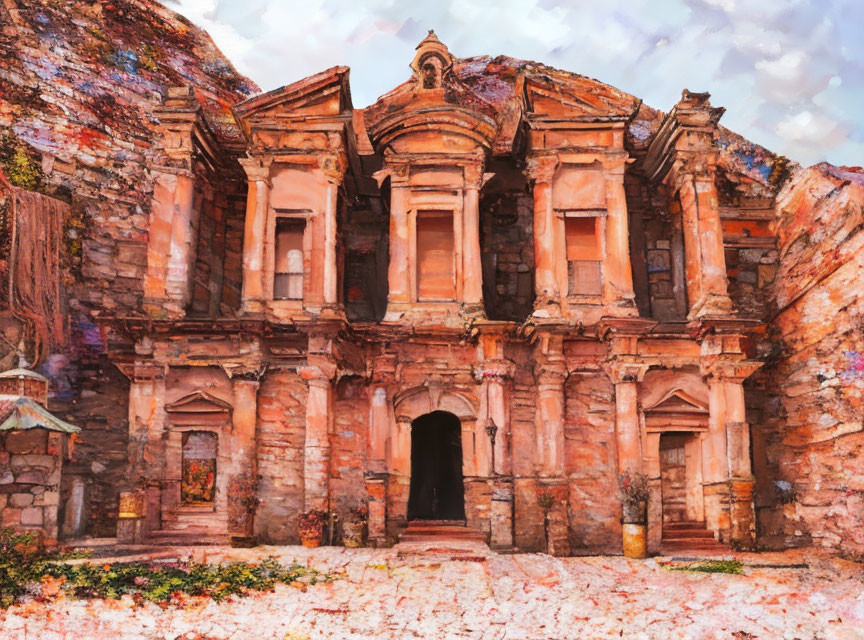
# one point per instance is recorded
(789, 72)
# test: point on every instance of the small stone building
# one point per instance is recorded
(497, 283)
(33, 446)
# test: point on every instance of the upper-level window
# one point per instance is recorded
(288, 276)
(584, 260)
(436, 271)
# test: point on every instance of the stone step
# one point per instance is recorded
(693, 543)
(190, 537)
(685, 524)
(687, 533)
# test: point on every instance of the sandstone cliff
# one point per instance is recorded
(813, 426)
(79, 82)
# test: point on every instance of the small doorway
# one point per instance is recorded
(437, 488)
(681, 477)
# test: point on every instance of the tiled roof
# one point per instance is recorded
(20, 412)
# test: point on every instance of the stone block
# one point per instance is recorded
(11, 517)
(31, 517)
(21, 499)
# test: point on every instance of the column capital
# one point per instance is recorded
(397, 169)
(475, 177)
(498, 370)
(629, 370)
(257, 168)
(317, 374)
(614, 164)
(728, 370)
(333, 166)
(147, 372)
(541, 168)
(246, 376)
(552, 372)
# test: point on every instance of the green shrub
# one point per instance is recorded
(713, 566)
(24, 563)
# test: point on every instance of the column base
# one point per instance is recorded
(742, 517)
(376, 489)
(501, 514)
(557, 522)
(712, 304)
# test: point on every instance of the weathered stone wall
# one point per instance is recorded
(507, 242)
(30, 466)
(589, 429)
(813, 432)
(281, 437)
(348, 458)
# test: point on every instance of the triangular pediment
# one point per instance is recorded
(581, 99)
(678, 402)
(198, 402)
(322, 95)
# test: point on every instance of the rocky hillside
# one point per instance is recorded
(79, 80)
(815, 441)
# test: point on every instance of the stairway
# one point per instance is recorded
(448, 539)
(689, 535)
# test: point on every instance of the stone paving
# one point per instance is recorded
(468, 592)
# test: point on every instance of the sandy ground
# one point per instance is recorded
(402, 593)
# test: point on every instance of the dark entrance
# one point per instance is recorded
(437, 491)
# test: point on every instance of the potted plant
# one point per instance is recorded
(242, 503)
(633, 493)
(311, 527)
(354, 527)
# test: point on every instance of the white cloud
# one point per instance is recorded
(788, 71)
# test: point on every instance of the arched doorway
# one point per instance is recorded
(437, 489)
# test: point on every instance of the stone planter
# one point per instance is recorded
(635, 540)
(353, 534)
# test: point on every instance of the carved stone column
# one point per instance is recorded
(626, 375)
(703, 242)
(244, 421)
(319, 375)
(550, 373)
(541, 170)
(399, 295)
(494, 375)
(333, 167)
(472, 269)
(727, 476)
(618, 276)
(254, 236)
(172, 243)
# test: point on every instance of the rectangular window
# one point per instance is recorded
(198, 482)
(288, 278)
(436, 272)
(583, 256)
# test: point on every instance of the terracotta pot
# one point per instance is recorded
(635, 540)
(310, 540)
(353, 534)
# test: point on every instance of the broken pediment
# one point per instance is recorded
(582, 100)
(318, 97)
